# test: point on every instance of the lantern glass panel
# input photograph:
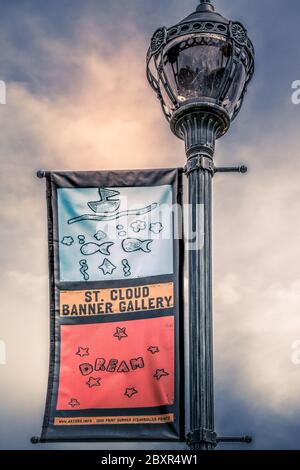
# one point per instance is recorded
(195, 67)
(236, 89)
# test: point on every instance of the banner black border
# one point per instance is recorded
(118, 179)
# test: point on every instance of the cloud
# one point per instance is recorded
(88, 106)
(81, 101)
(257, 278)
(102, 115)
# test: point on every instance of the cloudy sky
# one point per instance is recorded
(77, 98)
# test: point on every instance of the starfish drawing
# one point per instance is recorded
(107, 267)
(82, 352)
(153, 349)
(120, 333)
(93, 382)
(160, 373)
(129, 392)
(73, 402)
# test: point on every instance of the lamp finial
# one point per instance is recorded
(205, 5)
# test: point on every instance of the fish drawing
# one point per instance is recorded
(106, 204)
(134, 244)
(92, 248)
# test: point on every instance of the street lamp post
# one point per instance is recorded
(200, 69)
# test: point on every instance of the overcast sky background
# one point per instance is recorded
(77, 99)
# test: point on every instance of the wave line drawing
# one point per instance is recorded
(84, 269)
(106, 218)
(126, 268)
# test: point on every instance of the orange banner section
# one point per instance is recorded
(81, 303)
(86, 421)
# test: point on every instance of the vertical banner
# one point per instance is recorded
(116, 268)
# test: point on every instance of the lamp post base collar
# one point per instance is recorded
(199, 124)
(198, 162)
(202, 436)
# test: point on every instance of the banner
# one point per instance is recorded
(116, 268)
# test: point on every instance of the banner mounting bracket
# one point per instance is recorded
(206, 436)
(35, 440)
(231, 169)
(41, 174)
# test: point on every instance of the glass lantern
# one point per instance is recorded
(204, 58)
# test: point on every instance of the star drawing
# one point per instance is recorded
(129, 392)
(82, 352)
(73, 402)
(120, 333)
(153, 349)
(160, 373)
(93, 382)
(107, 267)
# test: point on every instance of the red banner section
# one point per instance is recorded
(117, 365)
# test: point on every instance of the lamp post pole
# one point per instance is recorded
(200, 313)
(199, 126)
(200, 69)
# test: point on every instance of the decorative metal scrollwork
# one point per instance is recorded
(158, 40)
(196, 27)
(238, 33)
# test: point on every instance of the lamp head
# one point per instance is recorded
(204, 61)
